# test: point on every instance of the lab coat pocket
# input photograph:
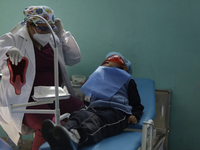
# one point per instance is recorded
(4, 115)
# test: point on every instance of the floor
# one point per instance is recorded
(25, 146)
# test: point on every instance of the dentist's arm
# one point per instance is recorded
(71, 50)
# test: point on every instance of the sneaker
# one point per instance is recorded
(67, 140)
(47, 133)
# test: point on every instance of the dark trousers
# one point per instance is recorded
(94, 124)
(35, 121)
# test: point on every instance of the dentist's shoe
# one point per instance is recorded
(67, 140)
(47, 133)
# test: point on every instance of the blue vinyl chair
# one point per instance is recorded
(4, 145)
(132, 137)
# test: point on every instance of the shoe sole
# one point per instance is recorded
(47, 133)
(60, 134)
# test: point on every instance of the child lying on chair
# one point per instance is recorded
(114, 103)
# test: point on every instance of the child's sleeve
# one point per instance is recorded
(134, 100)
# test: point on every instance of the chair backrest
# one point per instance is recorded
(4, 145)
(146, 89)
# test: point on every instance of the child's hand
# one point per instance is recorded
(132, 119)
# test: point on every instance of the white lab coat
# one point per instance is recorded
(68, 54)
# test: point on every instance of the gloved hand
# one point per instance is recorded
(15, 55)
(59, 26)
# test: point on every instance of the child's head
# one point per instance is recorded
(115, 59)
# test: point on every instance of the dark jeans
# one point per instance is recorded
(94, 124)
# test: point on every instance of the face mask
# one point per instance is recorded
(43, 39)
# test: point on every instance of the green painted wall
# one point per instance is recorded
(160, 37)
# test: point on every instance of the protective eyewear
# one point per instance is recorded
(116, 59)
(46, 29)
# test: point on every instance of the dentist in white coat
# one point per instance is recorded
(35, 42)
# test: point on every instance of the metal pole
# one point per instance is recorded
(39, 111)
(57, 110)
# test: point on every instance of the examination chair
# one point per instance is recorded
(134, 137)
(4, 145)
